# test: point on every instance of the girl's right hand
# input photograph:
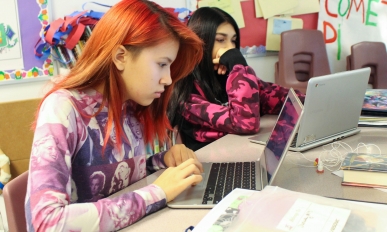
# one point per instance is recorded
(175, 180)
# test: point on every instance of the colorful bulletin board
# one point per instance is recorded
(345, 23)
(32, 18)
(254, 32)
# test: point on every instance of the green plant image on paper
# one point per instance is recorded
(7, 39)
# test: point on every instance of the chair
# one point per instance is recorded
(16, 135)
(302, 55)
(373, 55)
(14, 194)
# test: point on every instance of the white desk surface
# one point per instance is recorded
(291, 176)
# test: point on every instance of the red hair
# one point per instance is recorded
(136, 24)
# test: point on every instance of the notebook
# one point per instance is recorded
(219, 179)
(375, 103)
(331, 111)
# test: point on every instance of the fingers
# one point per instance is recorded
(195, 161)
(191, 166)
(174, 180)
(221, 68)
(191, 174)
(178, 154)
(194, 179)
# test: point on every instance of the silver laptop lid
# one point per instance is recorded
(332, 105)
(280, 138)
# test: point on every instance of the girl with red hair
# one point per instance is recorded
(112, 103)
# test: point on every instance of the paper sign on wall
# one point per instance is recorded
(271, 8)
(277, 25)
(347, 23)
(232, 7)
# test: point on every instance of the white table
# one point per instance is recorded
(291, 176)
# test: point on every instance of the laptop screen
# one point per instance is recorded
(282, 134)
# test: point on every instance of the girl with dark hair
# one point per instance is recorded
(222, 95)
(112, 103)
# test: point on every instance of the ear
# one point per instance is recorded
(120, 57)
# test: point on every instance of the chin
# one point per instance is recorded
(145, 103)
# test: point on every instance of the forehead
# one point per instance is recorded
(226, 28)
(166, 48)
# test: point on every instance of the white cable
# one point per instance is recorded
(333, 154)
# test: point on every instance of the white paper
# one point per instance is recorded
(305, 216)
(10, 40)
(219, 211)
(343, 24)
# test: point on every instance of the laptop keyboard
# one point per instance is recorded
(224, 177)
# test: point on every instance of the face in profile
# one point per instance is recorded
(225, 39)
(46, 150)
(145, 75)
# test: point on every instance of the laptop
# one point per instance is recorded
(331, 111)
(219, 179)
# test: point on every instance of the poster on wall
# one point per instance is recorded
(21, 27)
(345, 23)
(10, 46)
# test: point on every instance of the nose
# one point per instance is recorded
(166, 79)
(230, 45)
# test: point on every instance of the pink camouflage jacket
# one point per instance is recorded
(248, 99)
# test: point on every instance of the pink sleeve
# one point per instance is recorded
(248, 99)
(240, 116)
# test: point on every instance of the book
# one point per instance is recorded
(366, 170)
(372, 121)
(375, 102)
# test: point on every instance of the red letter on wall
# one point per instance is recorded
(333, 39)
(328, 12)
(361, 3)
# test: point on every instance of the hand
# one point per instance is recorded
(175, 180)
(178, 154)
(217, 66)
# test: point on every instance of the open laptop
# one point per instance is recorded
(249, 175)
(332, 107)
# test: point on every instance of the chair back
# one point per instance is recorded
(14, 194)
(373, 55)
(16, 136)
(302, 55)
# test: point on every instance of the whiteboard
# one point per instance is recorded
(62, 8)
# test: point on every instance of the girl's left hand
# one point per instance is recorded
(217, 66)
(178, 154)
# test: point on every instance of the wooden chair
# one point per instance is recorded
(373, 55)
(302, 56)
(14, 194)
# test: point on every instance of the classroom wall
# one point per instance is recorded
(263, 66)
